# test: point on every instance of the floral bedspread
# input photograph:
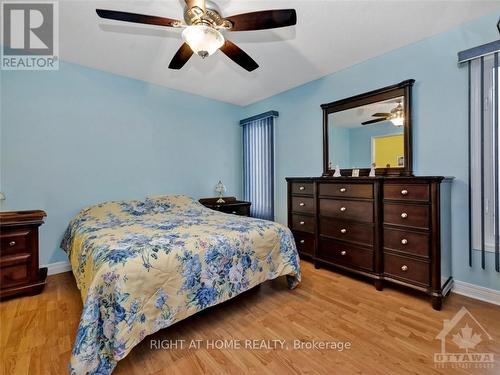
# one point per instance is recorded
(143, 265)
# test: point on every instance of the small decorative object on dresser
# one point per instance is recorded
(337, 171)
(220, 189)
(230, 206)
(19, 272)
(372, 171)
(394, 229)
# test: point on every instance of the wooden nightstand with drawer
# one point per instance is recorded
(19, 272)
(230, 206)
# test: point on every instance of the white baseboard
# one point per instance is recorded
(58, 267)
(477, 292)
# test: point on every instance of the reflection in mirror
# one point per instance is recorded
(366, 135)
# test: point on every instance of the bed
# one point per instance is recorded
(143, 265)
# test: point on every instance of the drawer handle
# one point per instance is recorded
(302, 222)
(12, 243)
(404, 215)
(302, 188)
(404, 241)
(343, 252)
(343, 190)
(302, 204)
(343, 231)
(343, 209)
(404, 192)
(302, 241)
(404, 268)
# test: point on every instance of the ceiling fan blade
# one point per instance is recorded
(239, 56)
(267, 19)
(137, 18)
(381, 114)
(181, 57)
(373, 121)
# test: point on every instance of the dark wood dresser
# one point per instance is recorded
(394, 229)
(230, 206)
(19, 272)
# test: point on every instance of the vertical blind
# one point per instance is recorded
(258, 164)
(484, 163)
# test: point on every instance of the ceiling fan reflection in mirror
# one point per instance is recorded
(202, 26)
(396, 116)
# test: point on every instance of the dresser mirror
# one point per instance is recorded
(371, 129)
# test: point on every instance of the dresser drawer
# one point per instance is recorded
(407, 215)
(408, 242)
(14, 269)
(346, 190)
(410, 192)
(407, 269)
(12, 275)
(303, 204)
(304, 242)
(302, 188)
(346, 230)
(346, 210)
(236, 210)
(303, 223)
(345, 254)
(11, 260)
(14, 240)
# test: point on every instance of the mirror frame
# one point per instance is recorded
(403, 89)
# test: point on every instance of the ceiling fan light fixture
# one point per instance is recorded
(398, 121)
(203, 40)
(398, 116)
(203, 23)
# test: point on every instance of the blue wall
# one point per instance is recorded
(77, 136)
(440, 123)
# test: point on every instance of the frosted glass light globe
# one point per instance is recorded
(398, 121)
(203, 40)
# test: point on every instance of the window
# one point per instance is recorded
(483, 73)
(258, 164)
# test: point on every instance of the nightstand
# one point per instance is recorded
(231, 205)
(19, 272)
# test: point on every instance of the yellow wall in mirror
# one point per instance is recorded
(387, 150)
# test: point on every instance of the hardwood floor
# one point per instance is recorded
(391, 332)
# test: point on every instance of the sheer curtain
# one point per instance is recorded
(484, 163)
(258, 164)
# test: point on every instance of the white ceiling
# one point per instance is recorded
(329, 36)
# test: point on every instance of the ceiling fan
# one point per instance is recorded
(396, 116)
(203, 24)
